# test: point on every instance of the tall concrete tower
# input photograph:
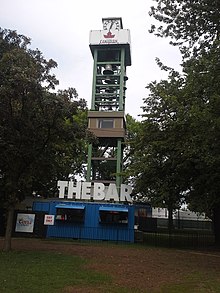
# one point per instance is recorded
(110, 48)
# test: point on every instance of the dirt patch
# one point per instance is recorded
(139, 268)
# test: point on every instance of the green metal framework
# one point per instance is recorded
(106, 117)
(108, 91)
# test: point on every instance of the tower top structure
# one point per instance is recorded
(112, 34)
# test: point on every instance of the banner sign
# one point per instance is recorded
(49, 220)
(25, 223)
(102, 37)
(97, 191)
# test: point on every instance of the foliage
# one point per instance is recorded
(132, 129)
(191, 25)
(65, 154)
(41, 132)
(177, 153)
(158, 163)
(203, 92)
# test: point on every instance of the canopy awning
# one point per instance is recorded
(113, 209)
(70, 206)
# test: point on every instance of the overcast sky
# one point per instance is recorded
(60, 29)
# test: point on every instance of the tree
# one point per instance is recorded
(42, 133)
(132, 130)
(194, 26)
(191, 25)
(181, 115)
(202, 84)
(157, 164)
(66, 155)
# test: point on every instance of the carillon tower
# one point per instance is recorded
(110, 48)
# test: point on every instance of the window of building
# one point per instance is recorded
(70, 214)
(141, 212)
(106, 123)
(113, 216)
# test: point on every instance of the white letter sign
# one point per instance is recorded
(99, 191)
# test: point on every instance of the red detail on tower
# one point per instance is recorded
(109, 35)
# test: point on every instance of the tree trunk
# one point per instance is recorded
(9, 226)
(170, 224)
(170, 219)
(216, 224)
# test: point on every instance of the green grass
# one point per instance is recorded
(45, 272)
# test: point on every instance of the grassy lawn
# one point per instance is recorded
(45, 272)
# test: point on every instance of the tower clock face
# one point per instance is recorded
(111, 24)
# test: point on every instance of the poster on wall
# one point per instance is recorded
(25, 223)
(49, 220)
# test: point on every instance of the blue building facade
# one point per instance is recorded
(88, 220)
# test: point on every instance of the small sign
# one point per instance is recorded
(49, 220)
(25, 223)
